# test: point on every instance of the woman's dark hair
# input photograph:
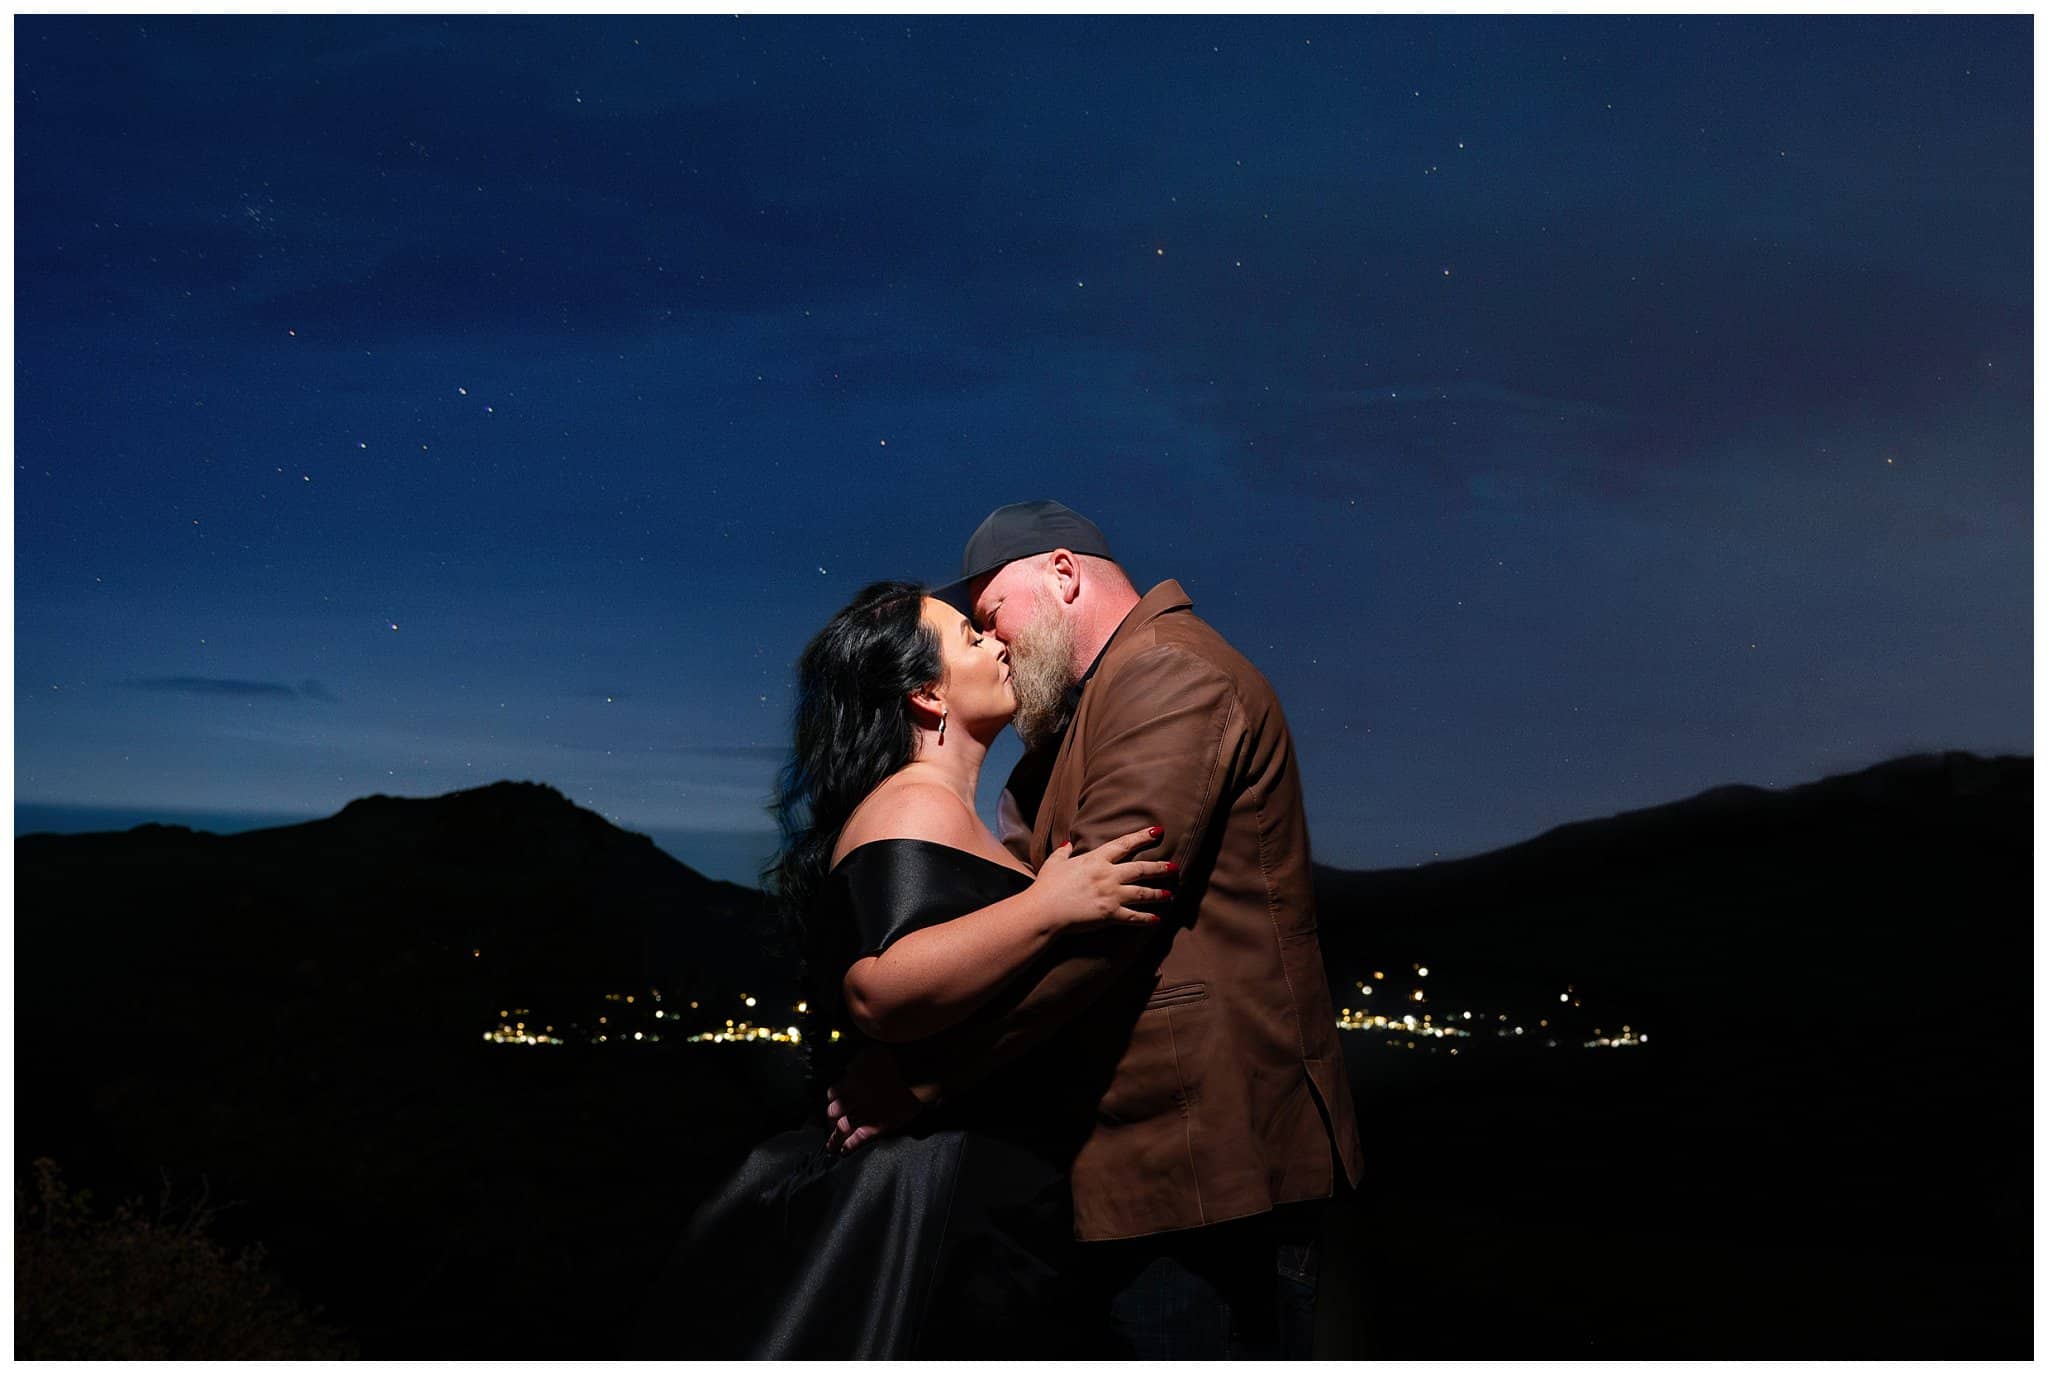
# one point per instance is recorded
(853, 728)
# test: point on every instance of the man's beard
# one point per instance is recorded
(1041, 671)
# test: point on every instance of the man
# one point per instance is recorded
(1220, 1105)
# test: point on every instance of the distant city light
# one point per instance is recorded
(746, 1032)
(1404, 1032)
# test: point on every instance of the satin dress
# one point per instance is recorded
(951, 1238)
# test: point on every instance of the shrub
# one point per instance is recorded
(141, 1285)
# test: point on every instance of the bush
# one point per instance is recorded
(145, 1286)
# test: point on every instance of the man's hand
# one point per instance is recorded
(870, 1098)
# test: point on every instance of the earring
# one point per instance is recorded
(942, 724)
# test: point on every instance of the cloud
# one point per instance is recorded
(308, 689)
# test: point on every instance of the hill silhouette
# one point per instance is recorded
(294, 1017)
(404, 916)
(1834, 977)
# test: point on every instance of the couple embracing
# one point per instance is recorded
(1088, 1091)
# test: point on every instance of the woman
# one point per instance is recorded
(948, 1238)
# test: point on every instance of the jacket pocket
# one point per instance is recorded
(1174, 994)
(1161, 1072)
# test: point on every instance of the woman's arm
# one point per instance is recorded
(931, 978)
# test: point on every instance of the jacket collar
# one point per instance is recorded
(1167, 596)
(1163, 598)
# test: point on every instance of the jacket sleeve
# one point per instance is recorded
(1161, 748)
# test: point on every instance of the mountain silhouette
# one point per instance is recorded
(294, 1017)
(412, 914)
(1802, 907)
(1836, 982)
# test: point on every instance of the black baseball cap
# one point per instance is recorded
(1018, 531)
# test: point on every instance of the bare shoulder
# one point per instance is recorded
(910, 809)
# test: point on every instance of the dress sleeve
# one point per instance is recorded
(895, 887)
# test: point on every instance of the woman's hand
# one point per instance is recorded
(869, 1098)
(1101, 887)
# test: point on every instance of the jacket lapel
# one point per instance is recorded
(1062, 787)
(1056, 799)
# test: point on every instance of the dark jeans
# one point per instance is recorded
(1244, 1289)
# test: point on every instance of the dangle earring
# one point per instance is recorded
(942, 725)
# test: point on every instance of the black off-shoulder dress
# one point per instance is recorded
(950, 1238)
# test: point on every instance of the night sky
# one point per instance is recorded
(1567, 415)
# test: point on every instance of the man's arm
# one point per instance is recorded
(1162, 748)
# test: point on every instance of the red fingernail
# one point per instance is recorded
(1157, 832)
(1171, 867)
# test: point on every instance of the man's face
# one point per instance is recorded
(1018, 606)
(1002, 600)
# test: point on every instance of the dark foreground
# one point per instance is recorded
(1824, 1151)
(1579, 1209)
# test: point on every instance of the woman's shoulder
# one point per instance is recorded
(909, 809)
(921, 810)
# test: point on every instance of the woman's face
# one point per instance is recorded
(977, 681)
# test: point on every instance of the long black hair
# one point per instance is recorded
(853, 729)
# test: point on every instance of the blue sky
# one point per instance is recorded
(1567, 415)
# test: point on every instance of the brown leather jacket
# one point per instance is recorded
(1208, 1048)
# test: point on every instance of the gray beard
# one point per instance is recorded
(1041, 668)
